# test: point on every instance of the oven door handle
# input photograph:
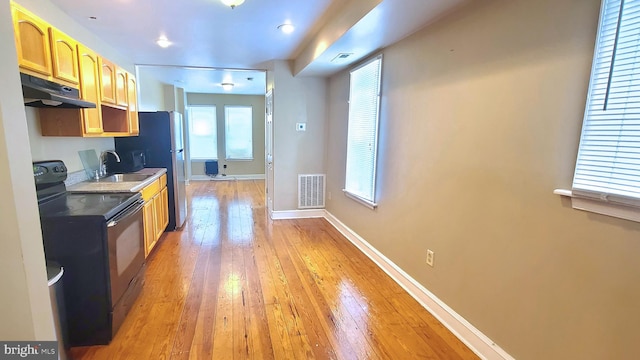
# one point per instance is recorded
(136, 207)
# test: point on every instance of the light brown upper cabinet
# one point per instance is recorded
(90, 89)
(121, 87)
(47, 53)
(132, 97)
(78, 122)
(65, 57)
(108, 77)
(32, 43)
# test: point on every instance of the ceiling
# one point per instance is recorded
(211, 41)
(208, 80)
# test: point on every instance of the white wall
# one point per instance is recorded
(170, 97)
(61, 148)
(295, 99)
(234, 167)
(150, 91)
(25, 309)
(480, 122)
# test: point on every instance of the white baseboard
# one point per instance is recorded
(297, 214)
(227, 177)
(461, 328)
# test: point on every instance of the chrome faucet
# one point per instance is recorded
(103, 165)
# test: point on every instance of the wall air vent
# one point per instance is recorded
(341, 57)
(311, 188)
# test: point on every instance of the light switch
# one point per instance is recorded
(301, 126)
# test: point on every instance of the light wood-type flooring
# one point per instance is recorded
(235, 285)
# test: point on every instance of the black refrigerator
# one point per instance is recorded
(161, 139)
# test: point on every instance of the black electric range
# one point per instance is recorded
(55, 201)
(87, 204)
(99, 240)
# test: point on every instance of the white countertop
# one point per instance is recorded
(124, 186)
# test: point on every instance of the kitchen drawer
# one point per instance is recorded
(152, 189)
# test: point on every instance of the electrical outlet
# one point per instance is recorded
(430, 256)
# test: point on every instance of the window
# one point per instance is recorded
(238, 132)
(203, 136)
(362, 138)
(608, 164)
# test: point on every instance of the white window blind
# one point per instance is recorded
(203, 135)
(362, 138)
(238, 132)
(608, 164)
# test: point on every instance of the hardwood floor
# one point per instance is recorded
(235, 285)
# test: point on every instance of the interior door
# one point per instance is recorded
(269, 151)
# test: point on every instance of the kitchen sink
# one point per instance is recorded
(125, 178)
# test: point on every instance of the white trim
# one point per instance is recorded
(598, 207)
(601, 207)
(297, 214)
(370, 204)
(461, 328)
(219, 177)
(563, 192)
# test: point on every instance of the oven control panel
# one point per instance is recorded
(48, 172)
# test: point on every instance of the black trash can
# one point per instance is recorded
(54, 275)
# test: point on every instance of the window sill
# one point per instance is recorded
(239, 159)
(371, 205)
(601, 207)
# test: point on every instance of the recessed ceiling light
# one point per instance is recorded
(227, 86)
(286, 28)
(232, 3)
(163, 42)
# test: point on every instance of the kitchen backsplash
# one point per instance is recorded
(75, 177)
(60, 148)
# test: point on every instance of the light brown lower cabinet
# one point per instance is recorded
(149, 227)
(164, 194)
(155, 212)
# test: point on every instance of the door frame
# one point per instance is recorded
(268, 152)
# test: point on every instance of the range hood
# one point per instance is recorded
(42, 93)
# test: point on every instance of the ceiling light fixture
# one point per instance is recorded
(232, 3)
(286, 28)
(227, 86)
(163, 42)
